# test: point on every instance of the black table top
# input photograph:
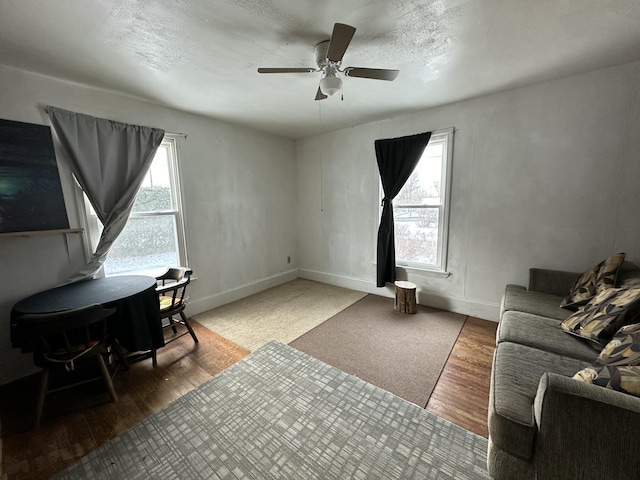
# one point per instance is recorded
(136, 324)
(86, 292)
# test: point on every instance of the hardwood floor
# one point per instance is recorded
(462, 392)
(66, 434)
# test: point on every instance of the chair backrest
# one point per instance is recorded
(66, 332)
(172, 288)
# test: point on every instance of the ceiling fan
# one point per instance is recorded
(329, 55)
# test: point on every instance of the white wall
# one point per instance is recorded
(543, 176)
(239, 196)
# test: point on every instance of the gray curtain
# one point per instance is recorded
(109, 160)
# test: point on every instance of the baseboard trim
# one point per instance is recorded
(463, 306)
(222, 298)
(452, 304)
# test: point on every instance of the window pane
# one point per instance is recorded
(155, 192)
(429, 171)
(423, 186)
(146, 243)
(416, 235)
(421, 208)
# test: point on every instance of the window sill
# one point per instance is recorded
(423, 271)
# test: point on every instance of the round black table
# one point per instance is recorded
(136, 324)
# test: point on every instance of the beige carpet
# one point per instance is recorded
(280, 313)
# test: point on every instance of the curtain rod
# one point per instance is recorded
(171, 134)
(49, 108)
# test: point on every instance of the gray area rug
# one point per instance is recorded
(401, 353)
(281, 414)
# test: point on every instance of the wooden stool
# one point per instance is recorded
(405, 297)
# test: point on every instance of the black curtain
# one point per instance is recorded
(397, 157)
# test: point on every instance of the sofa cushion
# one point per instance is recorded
(515, 376)
(517, 298)
(544, 334)
(599, 319)
(593, 281)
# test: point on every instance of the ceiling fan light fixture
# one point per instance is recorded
(330, 85)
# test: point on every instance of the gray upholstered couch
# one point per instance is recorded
(542, 423)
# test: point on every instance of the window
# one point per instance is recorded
(153, 238)
(421, 209)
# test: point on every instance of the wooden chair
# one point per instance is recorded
(172, 287)
(66, 343)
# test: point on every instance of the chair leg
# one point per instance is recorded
(107, 378)
(117, 349)
(44, 385)
(154, 358)
(188, 325)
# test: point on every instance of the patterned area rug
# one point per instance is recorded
(281, 414)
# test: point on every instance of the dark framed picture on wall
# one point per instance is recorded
(31, 196)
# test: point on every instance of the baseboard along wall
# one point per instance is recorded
(485, 311)
(238, 293)
(463, 306)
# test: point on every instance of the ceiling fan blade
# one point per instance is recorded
(286, 70)
(340, 40)
(320, 95)
(375, 73)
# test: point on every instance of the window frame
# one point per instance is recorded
(94, 228)
(444, 207)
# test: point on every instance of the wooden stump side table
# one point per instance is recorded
(405, 297)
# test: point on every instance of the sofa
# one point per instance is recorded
(543, 423)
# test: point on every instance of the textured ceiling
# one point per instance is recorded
(201, 56)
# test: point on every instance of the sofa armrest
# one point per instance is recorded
(554, 282)
(585, 431)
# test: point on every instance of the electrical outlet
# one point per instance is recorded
(288, 259)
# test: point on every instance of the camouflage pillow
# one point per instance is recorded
(599, 319)
(618, 365)
(593, 281)
(625, 379)
(624, 347)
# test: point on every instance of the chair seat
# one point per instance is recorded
(74, 349)
(166, 302)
